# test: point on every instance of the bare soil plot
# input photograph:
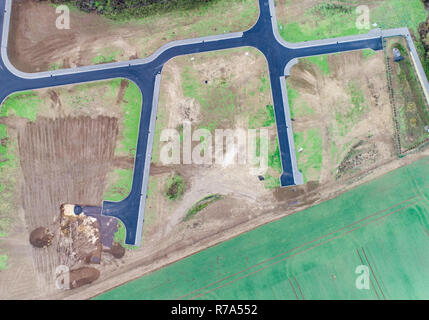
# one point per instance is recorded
(59, 146)
(342, 115)
(222, 90)
(35, 44)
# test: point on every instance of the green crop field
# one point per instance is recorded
(314, 254)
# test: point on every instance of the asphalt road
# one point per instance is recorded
(146, 74)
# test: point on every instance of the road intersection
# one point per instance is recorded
(146, 74)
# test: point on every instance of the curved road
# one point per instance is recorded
(146, 73)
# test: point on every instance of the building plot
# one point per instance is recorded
(71, 144)
(342, 115)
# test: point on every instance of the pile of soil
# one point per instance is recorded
(361, 153)
(117, 250)
(41, 237)
(82, 276)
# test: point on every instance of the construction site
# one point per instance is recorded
(64, 150)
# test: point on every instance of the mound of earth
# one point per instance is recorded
(82, 276)
(41, 237)
(117, 250)
(79, 237)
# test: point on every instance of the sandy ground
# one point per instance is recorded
(35, 44)
(236, 182)
(329, 96)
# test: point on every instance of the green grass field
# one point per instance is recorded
(337, 18)
(322, 21)
(313, 254)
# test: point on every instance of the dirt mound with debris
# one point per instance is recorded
(82, 276)
(80, 236)
(41, 237)
(117, 250)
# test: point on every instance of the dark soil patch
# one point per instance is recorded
(41, 237)
(82, 276)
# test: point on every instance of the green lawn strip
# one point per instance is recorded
(131, 108)
(3, 261)
(292, 95)
(25, 105)
(21, 104)
(201, 205)
(319, 247)
(310, 158)
(8, 172)
(274, 160)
